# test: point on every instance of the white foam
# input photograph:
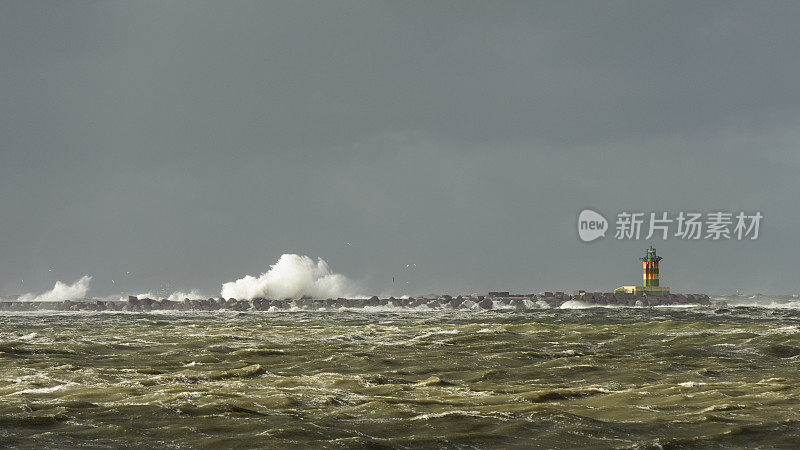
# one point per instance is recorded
(691, 384)
(44, 390)
(575, 304)
(176, 296)
(292, 276)
(61, 292)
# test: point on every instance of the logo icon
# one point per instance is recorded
(591, 225)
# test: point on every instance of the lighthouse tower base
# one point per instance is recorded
(641, 290)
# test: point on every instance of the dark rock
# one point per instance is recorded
(517, 303)
(486, 304)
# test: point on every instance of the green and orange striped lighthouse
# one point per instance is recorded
(650, 269)
(650, 266)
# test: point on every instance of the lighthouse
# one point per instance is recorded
(650, 286)
(650, 266)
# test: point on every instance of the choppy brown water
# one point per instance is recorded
(628, 377)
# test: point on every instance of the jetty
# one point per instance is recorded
(492, 300)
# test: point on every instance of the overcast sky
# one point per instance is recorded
(193, 142)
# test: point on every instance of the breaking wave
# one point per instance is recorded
(763, 301)
(292, 276)
(176, 296)
(575, 304)
(61, 292)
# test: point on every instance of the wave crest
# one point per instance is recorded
(292, 276)
(61, 291)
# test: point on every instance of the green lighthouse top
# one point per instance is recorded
(651, 256)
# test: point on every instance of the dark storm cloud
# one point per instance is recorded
(193, 142)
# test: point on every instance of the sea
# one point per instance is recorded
(622, 377)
